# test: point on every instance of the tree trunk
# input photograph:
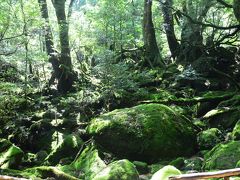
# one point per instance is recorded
(52, 53)
(236, 9)
(191, 47)
(66, 78)
(169, 27)
(152, 52)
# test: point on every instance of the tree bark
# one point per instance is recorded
(66, 78)
(51, 52)
(169, 27)
(152, 52)
(191, 47)
(236, 9)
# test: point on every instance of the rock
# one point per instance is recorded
(223, 118)
(223, 156)
(178, 163)
(209, 138)
(41, 155)
(141, 167)
(68, 147)
(10, 155)
(89, 163)
(235, 135)
(146, 132)
(165, 173)
(189, 77)
(122, 169)
(193, 164)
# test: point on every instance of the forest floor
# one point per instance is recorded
(176, 118)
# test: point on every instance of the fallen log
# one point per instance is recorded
(10, 178)
(206, 175)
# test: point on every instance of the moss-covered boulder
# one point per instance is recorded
(209, 138)
(223, 156)
(10, 155)
(222, 118)
(68, 147)
(89, 163)
(178, 163)
(146, 132)
(122, 169)
(165, 173)
(193, 164)
(141, 167)
(235, 135)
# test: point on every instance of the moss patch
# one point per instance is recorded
(10, 155)
(165, 173)
(122, 169)
(223, 156)
(209, 138)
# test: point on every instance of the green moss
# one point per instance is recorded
(122, 169)
(209, 138)
(178, 163)
(89, 163)
(162, 95)
(146, 132)
(223, 156)
(194, 163)
(10, 155)
(165, 173)
(223, 117)
(70, 143)
(141, 167)
(236, 132)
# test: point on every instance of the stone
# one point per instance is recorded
(89, 163)
(223, 156)
(122, 169)
(165, 173)
(209, 138)
(67, 147)
(10, 155)
(235, 135)
(147, 132)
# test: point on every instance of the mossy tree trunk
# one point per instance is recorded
(236, 8)
(169, 27)
(65, 80)
(51, 52)
(191, 47)
(153, 56)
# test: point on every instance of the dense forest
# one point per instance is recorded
(118, 89)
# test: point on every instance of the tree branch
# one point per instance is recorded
(209, 24)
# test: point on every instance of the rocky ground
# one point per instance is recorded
(181, 121)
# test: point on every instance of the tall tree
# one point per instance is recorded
(152, 51)
(169, 26)
(65, 80)
(62, 66)
(191, 36)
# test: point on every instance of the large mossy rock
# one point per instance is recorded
(209, 138)
(10, 155)
(223, 156)
(122, 169)
(146, 132)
